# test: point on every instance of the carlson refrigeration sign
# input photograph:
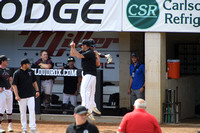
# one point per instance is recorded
(142, 14)
(60, 15)
(162, 15)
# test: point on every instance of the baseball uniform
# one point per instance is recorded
(6, 94)
(88, 84)
(24, 80)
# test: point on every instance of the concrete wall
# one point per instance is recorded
(186, 94)
(124, 62)
(155, 63)
(137, 44)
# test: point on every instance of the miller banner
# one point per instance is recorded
(28, 44)
(100, 15)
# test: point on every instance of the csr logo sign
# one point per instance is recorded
(18, 6)
(142, 14)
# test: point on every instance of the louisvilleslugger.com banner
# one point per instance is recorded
(101, 15)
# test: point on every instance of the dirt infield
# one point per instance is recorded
(55, 127)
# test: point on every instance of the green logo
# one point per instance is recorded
(142, 14)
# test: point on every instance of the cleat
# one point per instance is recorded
(2, 130)
(96, 110)
(10, 129)
(33, 131)
(91, 117)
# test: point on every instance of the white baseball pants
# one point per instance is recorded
(46, 86)
(6, 101)
(71, 98)
(88, 89)
(23, 103)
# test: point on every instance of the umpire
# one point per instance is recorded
(81, 125)
(24, 82)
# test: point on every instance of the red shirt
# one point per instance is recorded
(139, 121)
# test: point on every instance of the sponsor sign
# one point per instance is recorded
(28, 44)
(56, 72)
(100, 15)
(60, 15)
(142, 14)
(161, 15)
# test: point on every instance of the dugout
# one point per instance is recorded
(156, 81)
(154, 50)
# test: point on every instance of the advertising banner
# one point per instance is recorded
(60, 15)
(161, 15)
(101, 15)
(17, 45)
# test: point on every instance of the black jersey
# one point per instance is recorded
(89, 62)
(70, 83)
(5, 74)
(85, 128)
(24, 81)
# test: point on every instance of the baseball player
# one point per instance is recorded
(71, 84)
(24, 82)
(46, 81)
(88, 85)
(6, 94)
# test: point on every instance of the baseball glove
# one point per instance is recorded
(109, 58)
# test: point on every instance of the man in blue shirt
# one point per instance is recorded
(137, 79)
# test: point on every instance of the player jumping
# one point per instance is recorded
(88, 85)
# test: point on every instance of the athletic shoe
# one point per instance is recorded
(33, 131)
(91, 117)
(2, 130)
(10, 129)
(96, 110)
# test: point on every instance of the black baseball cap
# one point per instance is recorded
(80, 110)
(70, 59)
(25, 61)
(91, 41)
(134, 54)
(88, 42)
(3, 58)
(85, 42)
